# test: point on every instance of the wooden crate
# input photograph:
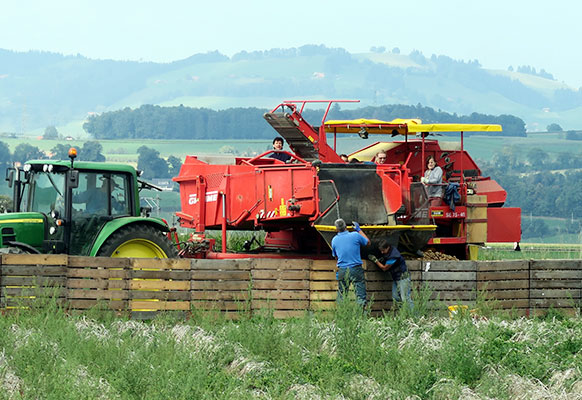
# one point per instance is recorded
(27, 278)
(221, 285)
(555, 283)
(281, 286)
(505, 282)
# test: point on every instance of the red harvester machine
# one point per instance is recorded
(296, 203)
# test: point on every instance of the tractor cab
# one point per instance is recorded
(64, 209)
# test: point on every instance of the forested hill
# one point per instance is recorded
(39, 89)
(155, 122)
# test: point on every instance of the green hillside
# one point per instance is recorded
(39, 89)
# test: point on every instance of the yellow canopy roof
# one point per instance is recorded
(454, 128)
(402, 126)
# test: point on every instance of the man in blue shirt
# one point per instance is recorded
(396, 265)
(345, 246)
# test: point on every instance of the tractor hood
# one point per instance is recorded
(25, 227)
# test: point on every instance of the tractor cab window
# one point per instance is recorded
(47, 191)
(119, 195)
(101, 193)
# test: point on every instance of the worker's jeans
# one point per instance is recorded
(354, 275)
(401, 290)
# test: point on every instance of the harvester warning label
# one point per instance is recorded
(210, 197)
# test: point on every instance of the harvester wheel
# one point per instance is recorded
(140, 241)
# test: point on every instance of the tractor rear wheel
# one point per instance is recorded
(139, 241)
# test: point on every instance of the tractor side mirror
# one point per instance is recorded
(10, 176)
(73, 178)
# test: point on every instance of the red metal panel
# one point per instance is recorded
(495, 193)
(503, 224)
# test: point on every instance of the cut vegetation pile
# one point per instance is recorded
(48, 354)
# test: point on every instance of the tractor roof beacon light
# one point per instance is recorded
(72, 155)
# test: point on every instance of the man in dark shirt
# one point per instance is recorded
(278, 147)
(396, 265)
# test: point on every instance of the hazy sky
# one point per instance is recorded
(497, 33)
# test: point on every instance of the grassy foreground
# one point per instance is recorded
(47, 354)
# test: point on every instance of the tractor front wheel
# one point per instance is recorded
(138, 241)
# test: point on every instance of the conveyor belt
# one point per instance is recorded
(291, 132)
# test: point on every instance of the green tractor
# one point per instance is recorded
(81, 208)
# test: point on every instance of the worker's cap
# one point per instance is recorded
(340, 224)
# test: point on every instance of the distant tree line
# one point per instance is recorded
(149, 160)
(90, 151)
(541, 186)
(156, 122)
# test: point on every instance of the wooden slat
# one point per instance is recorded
(220, 305)
(98, 294)
(453, 295)
(159, 305)
(34, 270)
(556, 265)
(323, 265)
(498, 266)
(161, 274)
(322, 275)
(33, 281)
(207, 275)
(282, 285)
(317, 296)
(27, 292)
(555, 293)
(219, 295)
(34, 259)
(449, 266)
(502, 275)
(282, 275)
(98, 273)
(225, 265)
(555, 284)
(280, 294)
(282, 264)
(500, 285)
(449, 276)
(556, 274)
(86, 304)
(281, 304)
(451, 285)
(159, 285)
(219, 285)
(84, 283)
(323, 285)
(161, 295)
(507, 294)
(98, 262)
(161, 264)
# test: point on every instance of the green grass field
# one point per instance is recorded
(479, 147)
(46, 353)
